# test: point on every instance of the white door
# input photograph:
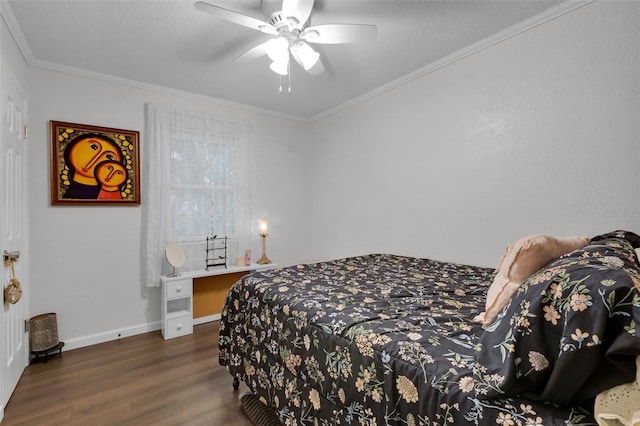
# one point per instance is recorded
(13, 228)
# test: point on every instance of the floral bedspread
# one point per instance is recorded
(571, 331)
(372, 340)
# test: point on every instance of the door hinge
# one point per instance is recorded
(26, 131)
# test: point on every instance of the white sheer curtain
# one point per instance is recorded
(182, 148)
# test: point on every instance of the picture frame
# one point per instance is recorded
(92, 165)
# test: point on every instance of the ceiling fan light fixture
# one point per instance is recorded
(280, 67)
(305, 55)
(278, 49)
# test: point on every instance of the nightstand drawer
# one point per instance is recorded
(181, 288)
(178, 326)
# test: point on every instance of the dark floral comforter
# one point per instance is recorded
(572, 329)
(382, 339)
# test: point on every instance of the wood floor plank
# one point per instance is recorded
(138, 380)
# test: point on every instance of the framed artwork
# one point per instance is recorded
(93, 165)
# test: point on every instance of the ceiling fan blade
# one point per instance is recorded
(235, 17)
(253, 53)
(299, 9)
(339, 33)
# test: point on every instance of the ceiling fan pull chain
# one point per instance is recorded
(289, 75)
(280, 78)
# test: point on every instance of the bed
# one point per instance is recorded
(386, 339)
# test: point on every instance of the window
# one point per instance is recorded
(197, 181)
(203, 186)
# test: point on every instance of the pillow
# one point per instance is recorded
(619, 405)
(570, 331)
(520, 260)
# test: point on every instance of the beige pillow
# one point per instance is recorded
(520, 260)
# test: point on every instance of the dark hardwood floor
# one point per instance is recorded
(138, 380)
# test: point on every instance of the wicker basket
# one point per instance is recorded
(43, 332)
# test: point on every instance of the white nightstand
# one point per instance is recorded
(177, 307)
(177, 297)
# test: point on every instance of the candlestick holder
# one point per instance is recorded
(264, 259)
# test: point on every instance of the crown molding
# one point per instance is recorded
(160, 89)
(14, 28)
(542, 18)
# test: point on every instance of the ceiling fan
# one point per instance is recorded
(293, 33)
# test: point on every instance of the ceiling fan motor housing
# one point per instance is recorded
(288, 28)
(279, 21)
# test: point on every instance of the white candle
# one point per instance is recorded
(263, 227)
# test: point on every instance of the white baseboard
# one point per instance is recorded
(208, 318)
(108, 336)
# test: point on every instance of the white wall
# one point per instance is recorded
(86, 260)
(537, 134)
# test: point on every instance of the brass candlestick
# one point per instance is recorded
(264, 259)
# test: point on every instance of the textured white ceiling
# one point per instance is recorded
(169, 43)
